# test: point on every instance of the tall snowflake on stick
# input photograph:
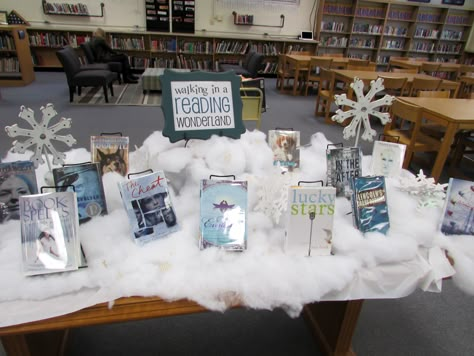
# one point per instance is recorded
(40, 135)
(362, 109)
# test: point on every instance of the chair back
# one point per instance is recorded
(316, 63)
(339, 55)
(358, 62)
(88, 52)
(70, 62)
(255, 64)
(430, 67)
(370, 67)
(424, 84)
(433, 93)
(394, 86)
(251, 105)
(327, 79)
(404, 70)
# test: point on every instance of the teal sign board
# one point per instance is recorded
(201, 104)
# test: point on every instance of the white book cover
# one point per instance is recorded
(285, 145)
(387, 158)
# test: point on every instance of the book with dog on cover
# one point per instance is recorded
(111, 152)
(387, 158)
(148, 204)
(458, 212)
(285, 145)
(49, 233)
(223, 216)
(310, 220)
(87, 182)
(369, 204)
(16, 179)
(343, 164)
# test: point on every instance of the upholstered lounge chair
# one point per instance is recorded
(115, 67)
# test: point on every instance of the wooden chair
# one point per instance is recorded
(252, 105)
(423, 84)
(410, 135)
(429, 128)
(404, 70)
(433, 93)
(284, 72)
(358, 62)
(370, 67)
(430, 68)
(394, 86)
(451, 87)
(339, 55)
(312, 76)
(326, 94)
(303, 70)
(464, 147)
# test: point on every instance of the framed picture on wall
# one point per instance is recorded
(3, 18)
(453, 2)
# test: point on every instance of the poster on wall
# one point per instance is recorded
(183, 16)
(157, 14)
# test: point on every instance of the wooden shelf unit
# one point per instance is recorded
(16, 66)
(377, 30)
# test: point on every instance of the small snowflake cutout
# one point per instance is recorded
(362, 109)
(40, 135)
(430, 194)
(272, 195)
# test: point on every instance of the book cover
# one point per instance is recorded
(111, 152)
(49, 233)
(387, 158)
(223, 214)
(369, 204)
(310, 220)
(343, 164)
(87, 182)
(285, 145)
(458, 213)
(16, 179)
(147, 201)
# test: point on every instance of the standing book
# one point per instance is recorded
(458, 213)
(310, 220)
(369, 204)
(16, 179)
(285, 145)
(343, 164)
(223, 217)
(87, 182)
(387, 158)
(111, 152)
(49, 233)
(147, 201)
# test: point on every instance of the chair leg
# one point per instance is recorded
(119, 78)
(111, 89)
(79, 90)
(72, 89)
(317, 106)
(105, 93)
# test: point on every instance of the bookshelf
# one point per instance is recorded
(16, 66)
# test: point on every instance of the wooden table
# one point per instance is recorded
(332, 323)
(445, 66)
(454, 114)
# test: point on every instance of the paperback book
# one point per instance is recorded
(111, 152)
(16, 179)
(343, 164)
(458, 213)
(387, 158)
(87, 182)
(369, 204)
(310, 220)
(147, 201)
(285, 145)
(223, 215)
(49, 233)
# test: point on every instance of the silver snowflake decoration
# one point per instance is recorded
(430, 194)
(40, 135)
(272, 193)
(362, 109)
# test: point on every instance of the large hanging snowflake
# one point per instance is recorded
(40, 135)
(430, 194)
(361, 109)
(272, 193)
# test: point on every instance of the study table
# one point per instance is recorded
(408, 64)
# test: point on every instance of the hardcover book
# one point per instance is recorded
(223, 214)
(49, 233)
(310, 220)
(16, 179)
(369, 204)
(285, 145)
(343, 164)
(87, 182)
(147, 201)
(458, 216)
(387, 158)
(111, 152)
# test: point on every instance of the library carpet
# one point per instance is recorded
(124, 94)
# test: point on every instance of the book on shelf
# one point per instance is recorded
(458, 212)
(369, 204)
(16, 179)
(223, 214)
(147, 201)
(49, 233)
(87, 182)
(111, 152)
(387, 158)
(343, 163)
(310, 220)
(285, 145)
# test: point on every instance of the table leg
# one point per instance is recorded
(49, 343)
(443, 151)
(296, 79)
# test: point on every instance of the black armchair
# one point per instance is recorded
(79, 77)
(249, 68)
(115, 67)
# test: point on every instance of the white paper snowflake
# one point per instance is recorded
(361, 109)
(40, 135)
(430, 194)
(272, 193)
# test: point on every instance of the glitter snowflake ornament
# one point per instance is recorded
(362, 109)
(429, 193)
(41, 135)
(272, 195)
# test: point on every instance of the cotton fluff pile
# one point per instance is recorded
(263, 276)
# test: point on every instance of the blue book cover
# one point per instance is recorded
(148, 204)
(343, 164)
(223, 214)
(87, 182)
(369, 204)
(458, 215)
